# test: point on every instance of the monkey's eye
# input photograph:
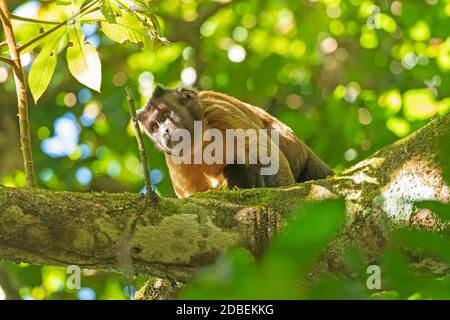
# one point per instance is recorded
(154, 127)
(165, 114)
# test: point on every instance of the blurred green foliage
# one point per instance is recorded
(289, 270)
(349, 77)
(281, 272)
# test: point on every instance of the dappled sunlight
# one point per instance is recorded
(414, 181)
(364, 178)
(320, 192)
(371, 163)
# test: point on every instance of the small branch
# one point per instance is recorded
(31, 20)
(6, 60)
(140, 143)
(21, 93)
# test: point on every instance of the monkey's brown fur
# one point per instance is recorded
(297, 162)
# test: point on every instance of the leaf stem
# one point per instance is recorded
(31, 20)
(140, 142)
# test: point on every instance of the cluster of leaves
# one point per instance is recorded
(121, 21)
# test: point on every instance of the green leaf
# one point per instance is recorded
(94, 16)
(83, 60)
(107, 11)
(425, 241)
(63, 2)
(138, 25)
(307, 234)
(79, 3)
(126, 29)
(156, 33)
(29, 32)
(41, 71)
(442, 210)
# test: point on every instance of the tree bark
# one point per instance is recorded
(171, 238)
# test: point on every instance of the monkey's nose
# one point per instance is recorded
(158, 92)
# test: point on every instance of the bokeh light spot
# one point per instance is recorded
(84, 175)
(189, 76)
(70, 99)
(119, 79)
(328, 45)
(236, 53)
(86, 294)
(351, 154)
(84, 95)
(156, 176)
(3, 74)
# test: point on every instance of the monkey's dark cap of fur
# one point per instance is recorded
(158, 92)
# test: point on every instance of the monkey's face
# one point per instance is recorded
(167, 111)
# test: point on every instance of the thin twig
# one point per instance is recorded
(31, 20)
(6, 60)
(140, 142)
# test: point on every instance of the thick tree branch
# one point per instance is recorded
(175, 236)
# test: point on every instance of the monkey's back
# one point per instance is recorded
(295, 151)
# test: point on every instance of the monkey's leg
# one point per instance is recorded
(246, 176)
(314, 169)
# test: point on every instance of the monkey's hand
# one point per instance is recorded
(247, 176)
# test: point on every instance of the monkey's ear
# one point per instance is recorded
(187, 97)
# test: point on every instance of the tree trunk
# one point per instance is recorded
(129, 232)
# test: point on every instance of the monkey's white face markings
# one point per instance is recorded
(161, 119)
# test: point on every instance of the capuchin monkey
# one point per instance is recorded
(181, 113)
